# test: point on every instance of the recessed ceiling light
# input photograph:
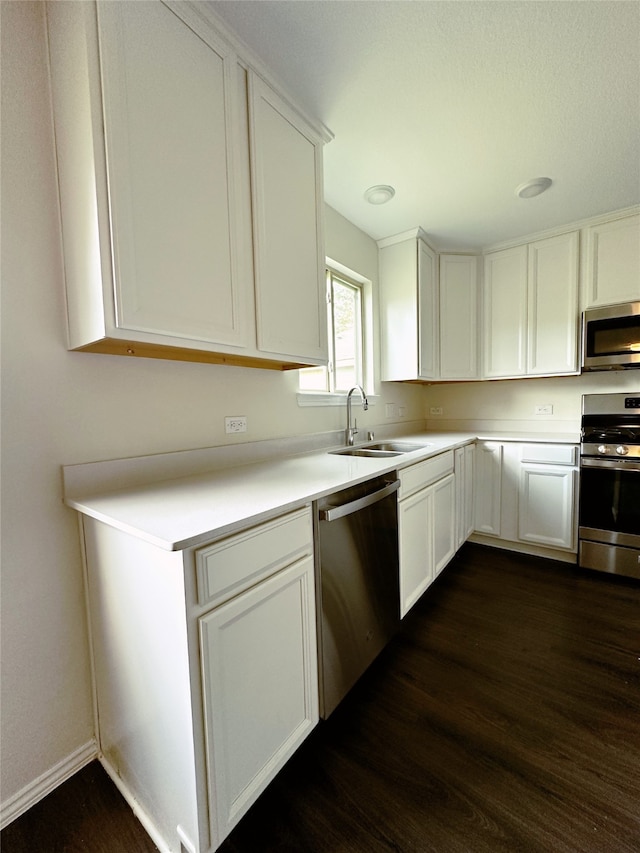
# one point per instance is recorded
(533, 188)
(380, 194)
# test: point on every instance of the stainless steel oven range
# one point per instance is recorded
(609, 513)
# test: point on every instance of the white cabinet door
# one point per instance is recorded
(547, 505)
(612, 268)
(553, 320)
(488, 487)
(505, 313)
(260, 682)
(459, 469)
(444, 522)
(408, 308)
(464, 463)
(287, 191)
(398, 270)
(415, 523)
(171, 139)
(469, 477)
(428, 367)
(458, 316)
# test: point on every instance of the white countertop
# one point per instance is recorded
(186, 511)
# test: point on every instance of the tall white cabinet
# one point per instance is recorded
(162, 160)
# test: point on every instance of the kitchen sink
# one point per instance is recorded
(380, 449)
(366, 451)
(396, 446)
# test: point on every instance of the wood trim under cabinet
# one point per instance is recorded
(135, 349)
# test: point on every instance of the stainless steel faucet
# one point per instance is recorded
(352, 430)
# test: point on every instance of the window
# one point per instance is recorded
(345, 320)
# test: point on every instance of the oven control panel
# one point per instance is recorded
(610, 429)
(619, 451)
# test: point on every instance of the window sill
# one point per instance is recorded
(318, 398)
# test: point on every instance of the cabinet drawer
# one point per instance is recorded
(424, 473)
(233, 564)
(553, 454)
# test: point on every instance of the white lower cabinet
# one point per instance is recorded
(526, 496)
(444, 522)
(205, 667)
(426, 525)
(488, 488)
(259, 687)
(464, 472)
(546, 505)
(415, 522)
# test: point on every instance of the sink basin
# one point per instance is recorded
(366, 451)
(380, 449)
(396, 446)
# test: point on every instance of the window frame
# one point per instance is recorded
(333, 278)
(364, 286)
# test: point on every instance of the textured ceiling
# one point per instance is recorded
(457, 103)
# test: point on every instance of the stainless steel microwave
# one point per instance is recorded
(611, 337)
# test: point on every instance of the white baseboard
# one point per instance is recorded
(144, 818)
(524, 548)
(43, 785)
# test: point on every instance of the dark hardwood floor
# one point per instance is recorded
(505, 717)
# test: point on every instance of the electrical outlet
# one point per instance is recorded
(547, 409)
(435, 410)
(236, 423)
(402, 411)
(389, 410)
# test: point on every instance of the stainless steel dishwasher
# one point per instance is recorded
(358, 596)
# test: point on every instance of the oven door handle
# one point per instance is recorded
(610, 464)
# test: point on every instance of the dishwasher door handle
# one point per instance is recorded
(335, 512)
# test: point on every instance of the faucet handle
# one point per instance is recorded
(355, 426)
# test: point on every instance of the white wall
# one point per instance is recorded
(509, 404)
(61, 408)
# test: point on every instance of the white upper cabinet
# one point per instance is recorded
(428, 311)
(152, 139)
(552, 329)
(458, 286)
(169, 100)
(612, 262)
(428, 308)
(286, 157)
(428, 331)
(531, 309)
(408, 307)
(505, 312)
